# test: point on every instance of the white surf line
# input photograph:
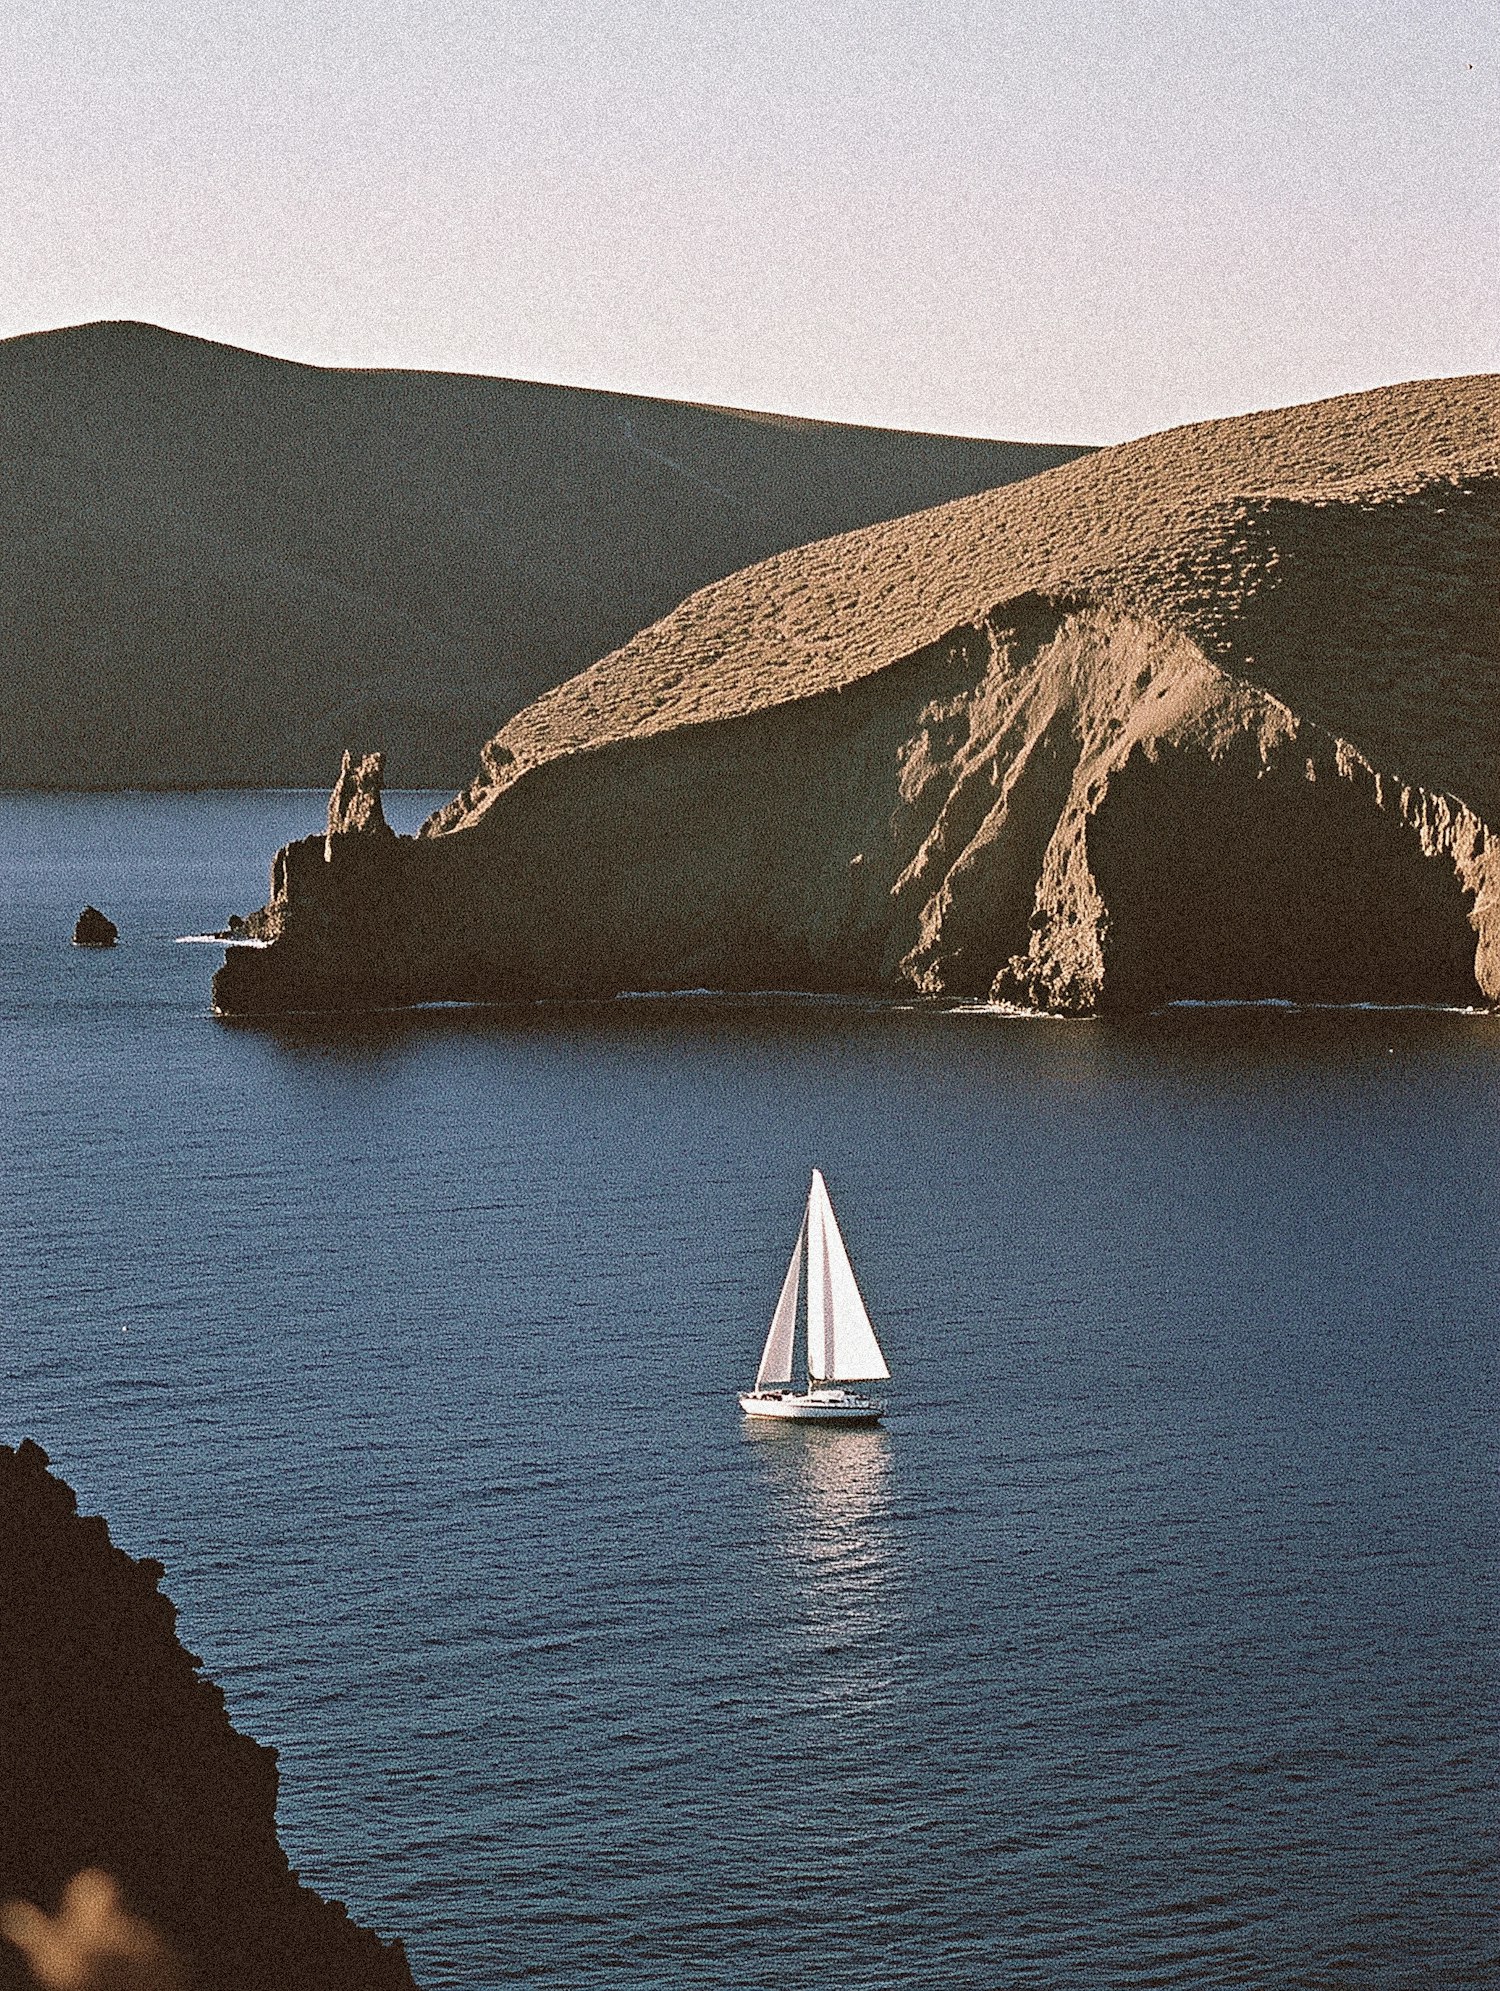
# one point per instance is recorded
(1013, 1012)
(1288, 1007)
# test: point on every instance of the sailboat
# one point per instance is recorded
(841, 1344)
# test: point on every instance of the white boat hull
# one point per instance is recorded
(816, 1407)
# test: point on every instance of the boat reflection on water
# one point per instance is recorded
(829, 1525)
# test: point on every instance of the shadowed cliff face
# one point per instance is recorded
(1242, 744)
(218, 569)
(118, 1759)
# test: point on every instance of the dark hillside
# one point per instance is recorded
(219, 569)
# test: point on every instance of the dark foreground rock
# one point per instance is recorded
(94, 929)
(119, 1759)
(1212, 715)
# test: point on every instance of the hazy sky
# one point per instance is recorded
(1059, 218)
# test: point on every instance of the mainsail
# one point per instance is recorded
(841, 1344)
(776, 1357)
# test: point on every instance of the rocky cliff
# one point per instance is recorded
(118, 1759)
(1213, 714)
(217, 569)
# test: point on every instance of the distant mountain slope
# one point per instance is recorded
(219, 568)
(1212, 714)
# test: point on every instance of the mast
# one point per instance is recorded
(820, 1365)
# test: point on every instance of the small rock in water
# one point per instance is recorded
(94, 930)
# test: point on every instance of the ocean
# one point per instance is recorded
(1151, 1642)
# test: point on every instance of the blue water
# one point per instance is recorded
(1153, 1642)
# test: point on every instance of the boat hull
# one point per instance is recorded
(817, 1407)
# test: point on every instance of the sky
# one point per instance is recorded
(1055, 219)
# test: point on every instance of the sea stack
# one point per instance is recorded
(1213, 715)
(120, 1760)
(94, 929)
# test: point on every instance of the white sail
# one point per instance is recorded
(841, 1344)
(776, 1357)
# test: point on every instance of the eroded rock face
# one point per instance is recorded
(1239, 736)
(1078, 812)
(118, 1756)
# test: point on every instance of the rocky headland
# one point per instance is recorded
(217, 569)
(1215, 714)
(137, 1824)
